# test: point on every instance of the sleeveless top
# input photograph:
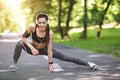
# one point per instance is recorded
(37, 38)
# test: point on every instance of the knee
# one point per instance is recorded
(19, 44)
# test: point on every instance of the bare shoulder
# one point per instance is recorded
(51, 33)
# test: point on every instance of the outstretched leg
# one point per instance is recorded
(75, 60)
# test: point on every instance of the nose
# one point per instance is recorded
(42, 25)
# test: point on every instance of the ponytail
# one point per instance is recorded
(47, 38)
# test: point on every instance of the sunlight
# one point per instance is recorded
(14, 4)
(15, 8)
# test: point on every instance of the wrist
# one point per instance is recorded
(31, 47)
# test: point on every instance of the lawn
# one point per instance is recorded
(109, 43)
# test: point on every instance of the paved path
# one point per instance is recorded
(36, 67)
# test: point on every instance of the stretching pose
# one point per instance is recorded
(42, 39)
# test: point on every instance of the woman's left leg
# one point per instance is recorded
(75, 60)
(61, 56)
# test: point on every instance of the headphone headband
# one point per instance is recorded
(42, 15)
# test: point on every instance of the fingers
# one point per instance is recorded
(51, 69)
(35, 52)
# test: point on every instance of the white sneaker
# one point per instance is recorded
(92, 66)
(13, 67)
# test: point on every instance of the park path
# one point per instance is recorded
(36, 67)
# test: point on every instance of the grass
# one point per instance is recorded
(109, 43)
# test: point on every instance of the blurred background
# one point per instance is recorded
(77, 23)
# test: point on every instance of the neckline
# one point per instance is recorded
(37, 34)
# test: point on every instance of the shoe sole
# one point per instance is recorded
(13, 70)
(94, 67)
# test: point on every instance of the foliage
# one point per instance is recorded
(6, 19)
(34, 7)
(31, 8)
(108, 44)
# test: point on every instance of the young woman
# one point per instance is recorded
(42, 39)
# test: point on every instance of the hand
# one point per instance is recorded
(34, 51)
(51, 69)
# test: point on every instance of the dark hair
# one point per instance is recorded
(44, 15)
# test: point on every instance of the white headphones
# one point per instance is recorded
(44, 14)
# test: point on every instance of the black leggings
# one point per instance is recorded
(20, 45)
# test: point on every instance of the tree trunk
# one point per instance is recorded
(84, 33)
(59, 19)
(102, 19)
(68, 16)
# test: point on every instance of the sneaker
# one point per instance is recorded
(92, 66)
(13, 68)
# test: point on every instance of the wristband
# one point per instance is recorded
(26, 34)
(50, 62)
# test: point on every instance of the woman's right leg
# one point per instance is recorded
(18, 49)
(17, 52)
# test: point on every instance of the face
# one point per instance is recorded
(42, 23)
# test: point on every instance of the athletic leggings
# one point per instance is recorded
(20, 45)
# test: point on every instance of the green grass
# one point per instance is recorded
(109, 43)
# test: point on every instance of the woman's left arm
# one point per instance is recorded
(50, 53)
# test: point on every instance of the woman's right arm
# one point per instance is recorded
(27, 33)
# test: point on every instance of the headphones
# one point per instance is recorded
(42, 15)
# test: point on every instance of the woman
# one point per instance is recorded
(42, 38)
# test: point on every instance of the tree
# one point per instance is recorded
(84, 33)
(70, 8)
(115, 10)
(59, 19)
(6, 21)
(35, 7)
(102, 19)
